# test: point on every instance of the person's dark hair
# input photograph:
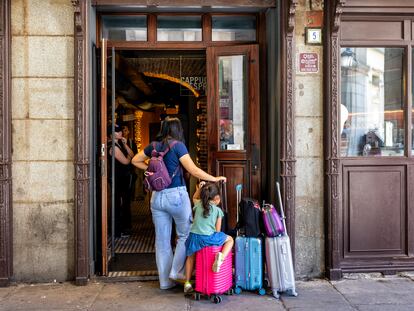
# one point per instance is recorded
(171, 128)
(109, 129)
(208, 193)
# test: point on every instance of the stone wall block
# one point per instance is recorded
(50, 17)
(308, 97)
(308, 137)
(20, 148)
(309, 257)
(309, 217)
(43, 140)
(18, 17)
(42, 181)
(20, 99)
(42, 57)
(43, 263)
(43, 223)
(309, 179)
(43, 98)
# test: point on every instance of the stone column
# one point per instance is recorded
(43, 139)
(309, 151)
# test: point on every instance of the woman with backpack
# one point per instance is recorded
(173, 202)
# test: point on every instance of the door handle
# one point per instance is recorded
(255, 158)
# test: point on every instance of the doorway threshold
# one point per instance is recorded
(129, 276)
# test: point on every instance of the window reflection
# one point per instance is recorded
(372, 102)
(232, 102)
(234, 28)
(179, 28)
(124, 28)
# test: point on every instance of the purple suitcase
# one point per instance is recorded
(272, 221)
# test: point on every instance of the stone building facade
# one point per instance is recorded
(41, 223)
(43, 135)
(42, 76)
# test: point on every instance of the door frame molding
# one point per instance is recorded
(82, 161)
(287, 116)
(333, 177)
(6, 216)
(82, 138)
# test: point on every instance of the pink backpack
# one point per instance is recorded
(157, 177)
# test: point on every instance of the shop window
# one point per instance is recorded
(234, 28)
(179, 28)
(232, 99)
(372, 102)
(124, 28)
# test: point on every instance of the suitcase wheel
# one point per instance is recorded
(216, 299)
(262, 291)
(196, 296)
(237, 290)
(230, 292)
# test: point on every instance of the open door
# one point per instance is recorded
(234, 119)
(104, 158)
(107, 238)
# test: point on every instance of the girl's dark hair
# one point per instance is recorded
(208, 193)
(171, 128)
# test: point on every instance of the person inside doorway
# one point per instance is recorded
(123, 155)
(133, 175)
(172, 203)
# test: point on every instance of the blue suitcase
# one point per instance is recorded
(249, 265)
(248, 260)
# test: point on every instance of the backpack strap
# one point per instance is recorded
(162, 153)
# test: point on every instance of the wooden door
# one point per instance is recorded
(234, 119)
(104, 159)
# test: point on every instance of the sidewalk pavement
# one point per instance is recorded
(361, 292)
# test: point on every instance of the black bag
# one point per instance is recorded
(249, 218)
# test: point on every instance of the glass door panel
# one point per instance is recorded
(232, 102)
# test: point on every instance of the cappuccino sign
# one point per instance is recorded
(198, 83)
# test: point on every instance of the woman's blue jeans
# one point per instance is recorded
(166, 205)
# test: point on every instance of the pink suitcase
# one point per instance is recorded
(208, 282)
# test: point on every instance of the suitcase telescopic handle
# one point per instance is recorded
(239, 188)
(282, 213)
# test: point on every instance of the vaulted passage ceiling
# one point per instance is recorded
(145, 82)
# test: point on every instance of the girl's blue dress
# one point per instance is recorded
(203, 232)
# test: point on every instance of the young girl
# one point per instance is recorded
(205, 230)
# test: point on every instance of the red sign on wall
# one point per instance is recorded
(308, 62)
